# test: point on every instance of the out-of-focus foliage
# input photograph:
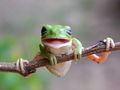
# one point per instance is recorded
(91, 20)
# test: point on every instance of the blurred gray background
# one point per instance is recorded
(90, 20)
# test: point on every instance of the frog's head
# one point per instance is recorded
(56, 35)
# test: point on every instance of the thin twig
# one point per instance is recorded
(38, 62)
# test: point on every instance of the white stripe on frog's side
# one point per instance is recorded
(59, 45)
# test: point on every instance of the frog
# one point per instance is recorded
(57, 40)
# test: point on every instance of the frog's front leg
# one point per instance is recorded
(109, 43)
(78, 48)
(50, 57)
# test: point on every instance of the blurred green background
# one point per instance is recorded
(90, 20)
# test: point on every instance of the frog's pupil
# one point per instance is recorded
(69, 32)
(43, 30)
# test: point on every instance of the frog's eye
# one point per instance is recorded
(69, 31)
(43, 30)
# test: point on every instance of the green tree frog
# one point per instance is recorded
(57, 40)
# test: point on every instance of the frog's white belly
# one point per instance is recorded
(60, 69)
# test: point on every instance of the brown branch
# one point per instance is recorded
(32, 65)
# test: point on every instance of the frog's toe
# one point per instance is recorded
(53, 60)
(112, 43)
(77, 55)
(109, 43)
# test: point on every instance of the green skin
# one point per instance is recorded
(60, 32)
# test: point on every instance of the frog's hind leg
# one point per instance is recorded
(109, 43)
(99, 59)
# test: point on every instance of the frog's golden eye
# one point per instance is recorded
(69, 31)
(43, 30)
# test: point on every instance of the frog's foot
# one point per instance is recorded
(99, 59)
(109, 43)
(53, 60)
(77, 54)
(20, 66)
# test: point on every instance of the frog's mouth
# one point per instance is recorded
(57, 42)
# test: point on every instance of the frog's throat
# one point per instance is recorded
(59, 45)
